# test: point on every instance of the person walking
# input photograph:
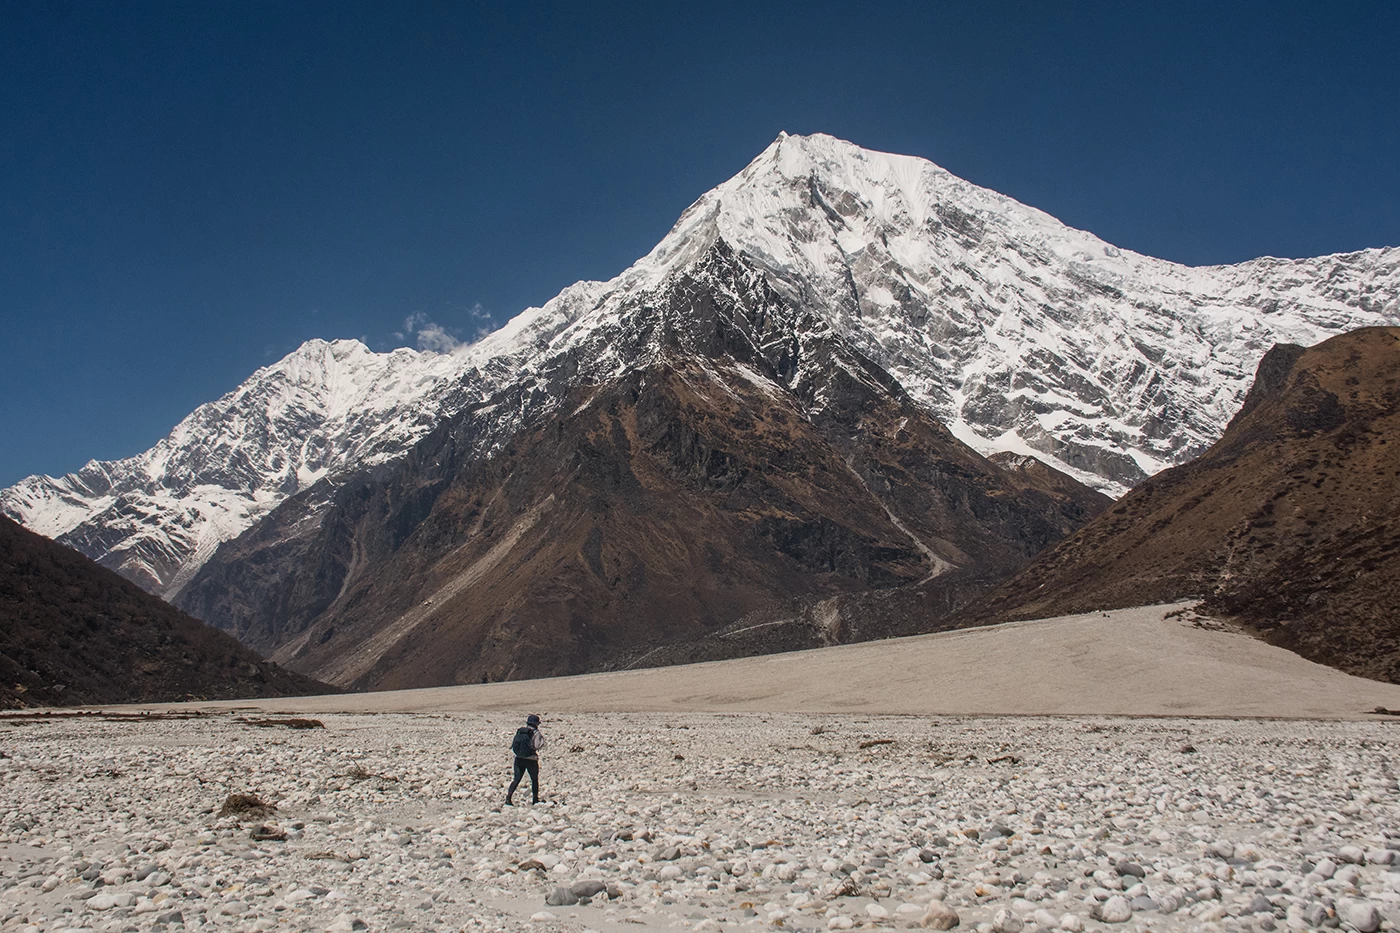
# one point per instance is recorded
(525, 747)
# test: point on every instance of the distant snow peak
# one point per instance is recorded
(325, 407)
(1018, 332)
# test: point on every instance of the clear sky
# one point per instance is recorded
(189, 190)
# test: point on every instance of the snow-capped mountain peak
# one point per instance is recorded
(1020, 333)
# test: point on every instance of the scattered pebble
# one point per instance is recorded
(703, 823)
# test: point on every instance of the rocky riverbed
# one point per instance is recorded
(697, 822)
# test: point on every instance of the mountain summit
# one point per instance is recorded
(1020, 334)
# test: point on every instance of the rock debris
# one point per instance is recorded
(702, 823)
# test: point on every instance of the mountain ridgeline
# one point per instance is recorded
(1020, 334)
(846, 394)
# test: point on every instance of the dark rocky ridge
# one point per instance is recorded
(1290, 523)
(74, 633)
(751, 466)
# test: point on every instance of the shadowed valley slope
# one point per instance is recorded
(72, 633)
(1290, 523)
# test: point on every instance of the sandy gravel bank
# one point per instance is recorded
(1139, 662)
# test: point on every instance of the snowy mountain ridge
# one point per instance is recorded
(157, 516)
(1020, 333)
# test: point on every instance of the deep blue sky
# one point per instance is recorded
(188, 191)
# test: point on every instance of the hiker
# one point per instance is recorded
(525, 746)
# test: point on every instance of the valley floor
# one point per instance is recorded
(1105, 780)
(698, 821)
(1149, 661)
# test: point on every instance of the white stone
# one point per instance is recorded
(939, 916)
(1222, 848)
(1115, 910)
(1006, 921)
(1351, 854)
(1362, 916)
(343, 923)
(1169, 903)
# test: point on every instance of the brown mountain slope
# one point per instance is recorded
(672, 505)
(74, 633)
(1290, 523)
(757, 486)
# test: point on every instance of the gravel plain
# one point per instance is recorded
(697, 821)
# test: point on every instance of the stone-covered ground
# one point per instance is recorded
(700, 822)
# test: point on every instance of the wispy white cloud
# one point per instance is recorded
(483, 321)
(429, 334)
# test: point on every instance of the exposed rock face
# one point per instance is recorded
(1017, 332)
(756, 466)
(74, 633)
(1290, 523)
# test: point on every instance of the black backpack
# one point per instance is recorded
(523, 745)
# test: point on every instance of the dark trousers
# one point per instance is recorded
(522, 765)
